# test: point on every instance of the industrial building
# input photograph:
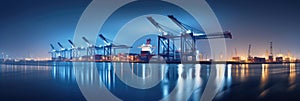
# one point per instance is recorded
(268, 58)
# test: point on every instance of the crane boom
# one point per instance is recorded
(73, 45)
(158, 26)
(225, 34)
(178, 23)
(106, 41)
(110, 43)
(86, 40)
(61, 46)
(52, 47)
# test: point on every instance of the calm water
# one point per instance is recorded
(191, 82)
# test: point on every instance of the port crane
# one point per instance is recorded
(249, 51)
(62, 50)
(160, 27)
(91, 47)
(189, 35)
(165, 41)
(53, 52)
(271, 57)
(74, 50)
(250, 58)
(198, 34)
(111, 46)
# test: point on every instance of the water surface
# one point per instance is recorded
(230, 82)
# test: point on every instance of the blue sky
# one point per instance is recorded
(28, 27)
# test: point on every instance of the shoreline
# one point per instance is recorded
(59, 63)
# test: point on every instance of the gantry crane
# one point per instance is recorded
(111, 46)
(91, 47)
(62, 51)
(165, 41)
(271, 57)
(53, 52)
(74, 50)
(250, 58)
(107, 48)
(189, 36)
(249, 51)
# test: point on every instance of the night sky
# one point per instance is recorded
(28, 26)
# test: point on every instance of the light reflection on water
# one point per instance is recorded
(264, 75)
(292, 77)
(234, 81)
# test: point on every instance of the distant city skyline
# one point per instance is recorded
(28, 27)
